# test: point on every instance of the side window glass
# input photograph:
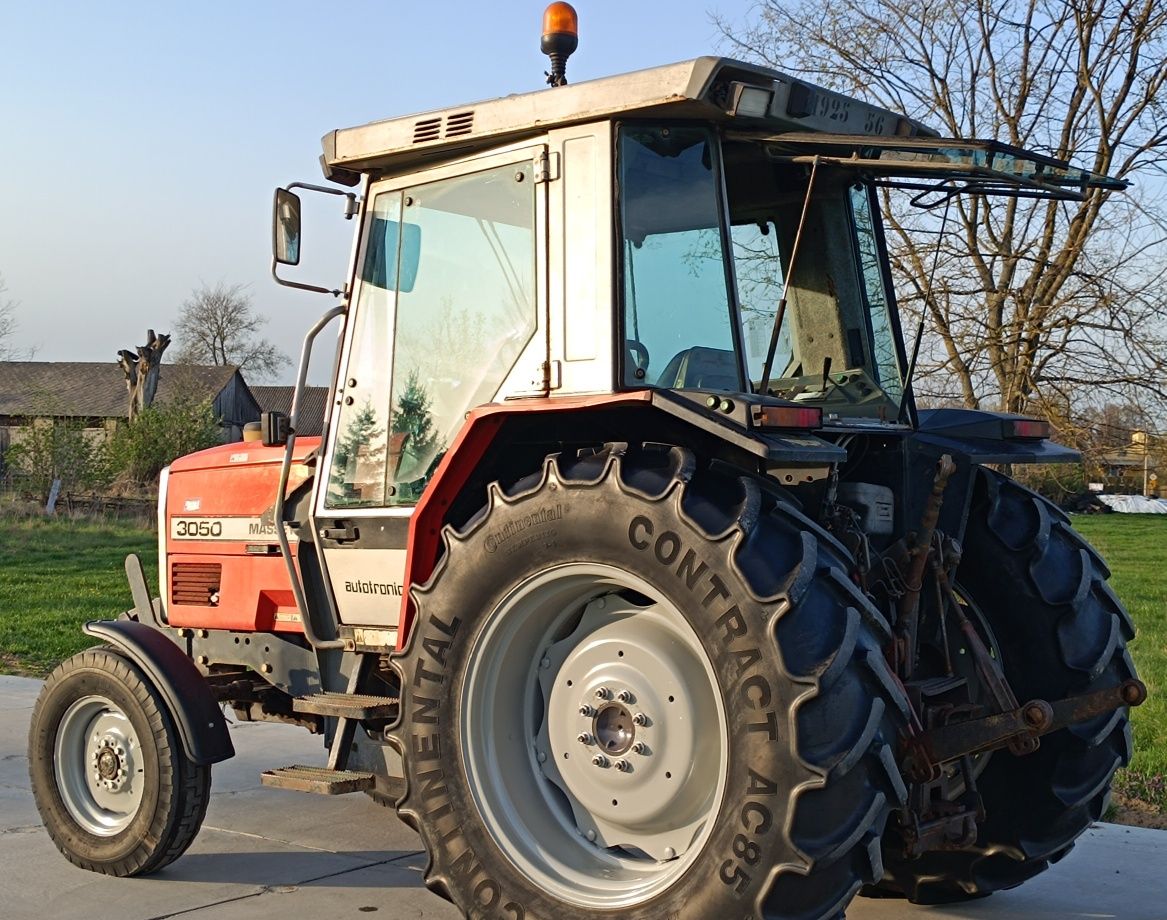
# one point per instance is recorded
(359, 454)
(677, 321)
(466, 309)
(886, 369)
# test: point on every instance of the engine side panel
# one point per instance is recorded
(223, 568)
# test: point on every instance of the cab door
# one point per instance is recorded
(450, 312)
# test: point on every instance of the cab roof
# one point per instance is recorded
(709, 88)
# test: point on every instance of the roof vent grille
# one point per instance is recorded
(459, 123)
(427, 129)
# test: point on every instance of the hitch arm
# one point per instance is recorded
(928, 751)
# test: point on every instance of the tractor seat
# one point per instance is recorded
(702, 368)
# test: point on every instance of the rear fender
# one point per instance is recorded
(972, 438)
(197, 716)
(458, 485)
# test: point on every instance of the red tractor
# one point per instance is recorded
(627, 569)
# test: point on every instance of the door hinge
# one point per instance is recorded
(546, 166)
(548, 376)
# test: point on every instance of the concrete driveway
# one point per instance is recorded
(270, 853)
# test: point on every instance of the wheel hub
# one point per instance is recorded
(97, 766)
(614, 729)
(624, 731)
(593, 735)
(110, 763)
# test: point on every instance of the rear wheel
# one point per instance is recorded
(111, 781)
(1042, 590)
(637, 690)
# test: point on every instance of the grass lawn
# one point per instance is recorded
(56, 574)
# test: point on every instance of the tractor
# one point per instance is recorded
(627, 569)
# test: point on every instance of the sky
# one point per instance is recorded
(140, 142)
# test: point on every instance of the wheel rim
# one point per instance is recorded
(99, 767)
(593, 735)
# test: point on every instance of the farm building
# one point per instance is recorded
(312, 406)
(93, 393)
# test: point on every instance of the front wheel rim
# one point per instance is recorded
(594, 735)
(99, 766)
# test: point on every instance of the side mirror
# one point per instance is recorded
(285, 228)
(274, 429)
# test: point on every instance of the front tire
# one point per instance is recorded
(639, 690)
(110, 779)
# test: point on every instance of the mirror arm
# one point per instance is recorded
(351, 206)
(299, 285)
(351, 209)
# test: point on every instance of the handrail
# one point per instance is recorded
(285, 471)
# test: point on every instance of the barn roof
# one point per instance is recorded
(312, 406)
(96, 389)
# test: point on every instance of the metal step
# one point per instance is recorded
(347, 705)
(320, 780)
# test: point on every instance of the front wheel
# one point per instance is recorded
(109, 776)
(637, 690)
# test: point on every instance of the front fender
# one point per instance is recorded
(197, 716)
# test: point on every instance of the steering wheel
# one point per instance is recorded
(638, 356)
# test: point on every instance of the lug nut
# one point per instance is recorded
(640, 719)
(584, 738)
(625, 696)
(623, 766)
(670, 853)
(600, 760)
(586, 710)
(640, 748)
(603, 693)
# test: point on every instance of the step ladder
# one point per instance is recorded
(349, 709)
(320, 780)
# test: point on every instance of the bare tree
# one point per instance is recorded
(218, 325)
(8, 324)
(1036, 305)
(141, 368)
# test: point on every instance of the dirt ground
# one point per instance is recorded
(1137, 813)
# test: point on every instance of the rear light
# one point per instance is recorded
(788, 417)
(1031, 428)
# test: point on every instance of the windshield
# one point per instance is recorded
(697, 316)
(838, 339)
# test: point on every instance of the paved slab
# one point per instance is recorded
(268, 853)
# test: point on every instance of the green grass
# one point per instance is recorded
(54, 576)
(1135, 547)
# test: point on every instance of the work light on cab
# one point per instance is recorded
(560, 39)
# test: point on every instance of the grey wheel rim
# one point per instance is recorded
(594, 735)
(99, 766)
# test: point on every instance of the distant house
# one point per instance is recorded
(313, 404)
(93, 393)
(1134, 468)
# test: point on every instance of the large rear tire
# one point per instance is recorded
(639, 690)
(109, 775)
(1062, 631)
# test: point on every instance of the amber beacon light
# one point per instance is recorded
(560, 39)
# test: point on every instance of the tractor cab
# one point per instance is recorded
(707, 228)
